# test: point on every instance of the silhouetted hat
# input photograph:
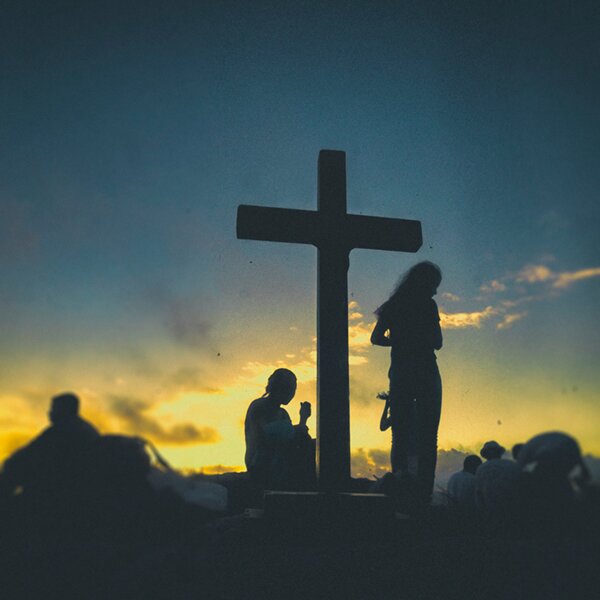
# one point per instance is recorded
(492, 448)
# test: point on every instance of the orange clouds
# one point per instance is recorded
(540, 273)
(534, 274)
(370, 462)
(304, 362)
(566, 279)
(466, 319)
(359, 342)
(509, 319)
(449, 297)
(476, 319)
(551, 283)
(493, 286)
(220, 469)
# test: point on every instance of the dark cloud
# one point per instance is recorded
(183, 318)
(141, 364)
(191, 379)
(133, 414)
(209, 390)
(186, 377)
(186, 326)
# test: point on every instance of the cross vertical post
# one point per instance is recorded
(333, 390)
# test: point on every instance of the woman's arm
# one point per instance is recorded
(305, 412)
(378, 337)
(385, 422)
(437, 330)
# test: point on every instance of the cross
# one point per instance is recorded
(335, 233)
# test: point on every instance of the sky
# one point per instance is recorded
(130, 133)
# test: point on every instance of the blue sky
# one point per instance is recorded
(130, 135)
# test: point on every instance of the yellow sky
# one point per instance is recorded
(479, 402)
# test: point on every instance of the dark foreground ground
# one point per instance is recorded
(237, 557)
(167, 550)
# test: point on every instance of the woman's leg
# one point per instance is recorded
(401, 400)
(429, 406)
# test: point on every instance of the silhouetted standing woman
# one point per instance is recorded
(409, 323)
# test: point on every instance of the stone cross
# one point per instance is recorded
(335, 233)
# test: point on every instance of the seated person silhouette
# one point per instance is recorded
(55, 465)
(279, 455)
(461, 486)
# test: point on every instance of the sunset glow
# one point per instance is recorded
(129, 142)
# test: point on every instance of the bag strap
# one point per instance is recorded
(158, 456)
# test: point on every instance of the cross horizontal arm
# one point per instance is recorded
(277, 224)
(321, 230)
(380, 233)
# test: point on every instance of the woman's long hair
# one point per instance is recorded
(422, 277)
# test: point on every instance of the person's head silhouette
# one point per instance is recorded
(423, 278)
(471, 463)
(516, 449)
(492, 450)
(420, 282)
(281, 386)
(64, 407)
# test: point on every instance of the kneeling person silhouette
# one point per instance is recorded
(279, 455)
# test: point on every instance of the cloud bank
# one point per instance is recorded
(533, 282)
(375, 462)
(133, 415)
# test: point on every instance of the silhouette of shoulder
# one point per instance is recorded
(261, 408)
(256, 408)
(77, 426)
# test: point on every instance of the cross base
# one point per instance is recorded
(330, 506)
(328, 516)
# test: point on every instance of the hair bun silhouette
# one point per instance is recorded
(280, 381)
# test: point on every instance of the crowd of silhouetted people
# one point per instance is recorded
(70, 478)
(538, 488)
(72, 482)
